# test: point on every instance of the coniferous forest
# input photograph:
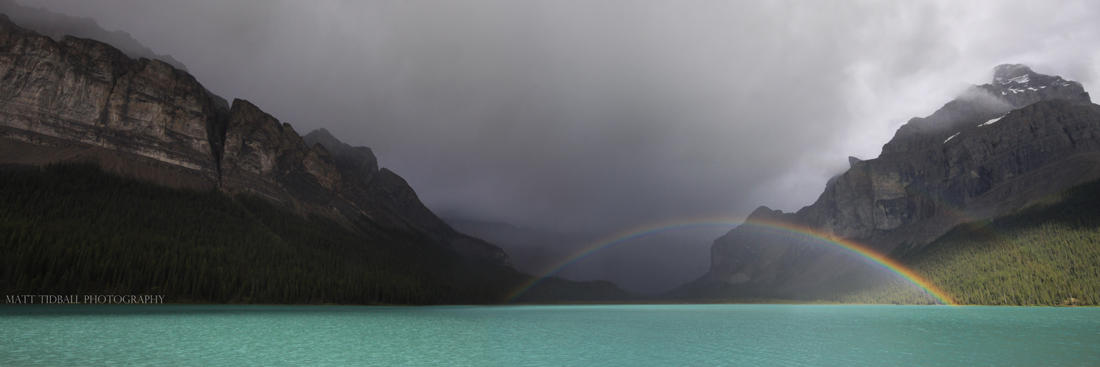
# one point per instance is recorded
(1045, 254)
(74, 229)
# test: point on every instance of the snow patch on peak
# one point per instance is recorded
(1022, 79)
(987, 123)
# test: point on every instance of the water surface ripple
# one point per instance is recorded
(627, 335)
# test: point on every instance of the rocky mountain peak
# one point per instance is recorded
(994, 149)
(764, 213)
(325, 139)
(1006, 73)
(360, 159)
(853, 161)
(1018, 85)
(1013, 86)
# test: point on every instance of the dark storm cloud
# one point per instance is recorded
(601, 115)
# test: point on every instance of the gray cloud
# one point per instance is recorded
(595, 116)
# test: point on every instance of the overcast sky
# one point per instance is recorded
(603, 115)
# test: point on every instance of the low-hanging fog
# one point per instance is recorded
(588, 118)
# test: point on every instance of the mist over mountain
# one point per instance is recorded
(586, 121)
(92, 142)
(549, 182)
(621, 115)
(994, 150)
(58, 25)
(640, 265)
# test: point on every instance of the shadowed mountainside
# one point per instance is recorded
(341, 224)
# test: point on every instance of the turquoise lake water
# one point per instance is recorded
(631, 335)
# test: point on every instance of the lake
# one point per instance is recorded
(618, 335)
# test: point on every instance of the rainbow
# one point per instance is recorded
(800, 231)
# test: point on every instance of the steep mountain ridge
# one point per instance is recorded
(57, 26)
(81, 100)
(994, 149)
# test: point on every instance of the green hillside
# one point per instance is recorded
(76, 230)
(1046, 254)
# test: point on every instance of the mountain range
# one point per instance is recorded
(121, 172)
(81, 101)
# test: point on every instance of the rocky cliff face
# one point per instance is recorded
(83, 100)
(57, 26)
(78, 91)
(994, 149)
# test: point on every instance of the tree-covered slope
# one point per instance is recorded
(1046, 254)
(75, 230)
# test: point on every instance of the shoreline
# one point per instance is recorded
(518, 304)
